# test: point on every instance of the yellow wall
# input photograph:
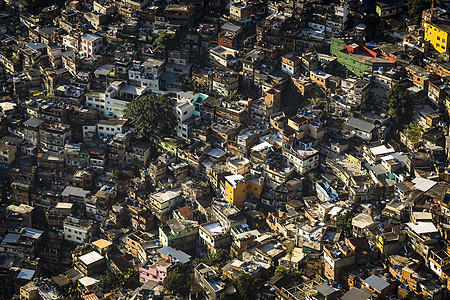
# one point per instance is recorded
(437, 37)
(236, 196)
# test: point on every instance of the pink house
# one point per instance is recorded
(157, 270)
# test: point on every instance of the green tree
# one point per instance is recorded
(290, 252)
(246, 286)
(189, 84)
(218, 259)
(414, 133)
(282, 270)
(344, 221)
(177, 283)
(152, 114)
(234, 96)
(117, 176)
(166, 40)
(415, 8)
(400, 105)
(39, 218)
(372, 22)
(110, 282)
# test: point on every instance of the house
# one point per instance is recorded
(117, 96)
(377, 286)
(163, 202)
(53, 137)
(180, 14)
(356, 59)
(290, 63)
(214, 236)
(91, 44)
(224, 56)
(109, 128)
(179, 234)
(236, 188)
(91, 263)
(211, 283)
(121, 264)
(437, 33)
(185, 116)
(166, 260)
(78, 230)
(356, 294)
(360, 128)
(389, 8)
(304, 157)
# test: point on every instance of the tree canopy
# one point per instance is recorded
(177, 283)
(218, 259)
(189, 84)
(400, 106)
(246, 286)
(110, 282)
(282, 270)
(372, 22)
(344, 221)
(165, 40)
(415, 8)
(152, 114)
(118, 175)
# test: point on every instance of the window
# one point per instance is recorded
(438, 38)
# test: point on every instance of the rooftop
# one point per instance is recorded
(91, 258)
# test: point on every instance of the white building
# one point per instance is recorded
(148, 74)
(109, 128)
(185, 117)
(91, 44)
(166, 201)
(78, 230)
(224, 56)
(96, 101)
(117, 97)
(304, 158)
(360, 128)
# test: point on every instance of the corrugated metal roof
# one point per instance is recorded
(326, 289)
(356, 294)
(360, 124)
(376, 282)
(176, 254)
(423, 184)
(90, 258)
(422, 227)
(230, 27)
(74, 191)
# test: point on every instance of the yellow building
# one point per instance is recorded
(236, 188)
(437, 35)
(29, 291)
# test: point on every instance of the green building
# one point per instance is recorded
(197, 102)
(355, 59)
(179, 234)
